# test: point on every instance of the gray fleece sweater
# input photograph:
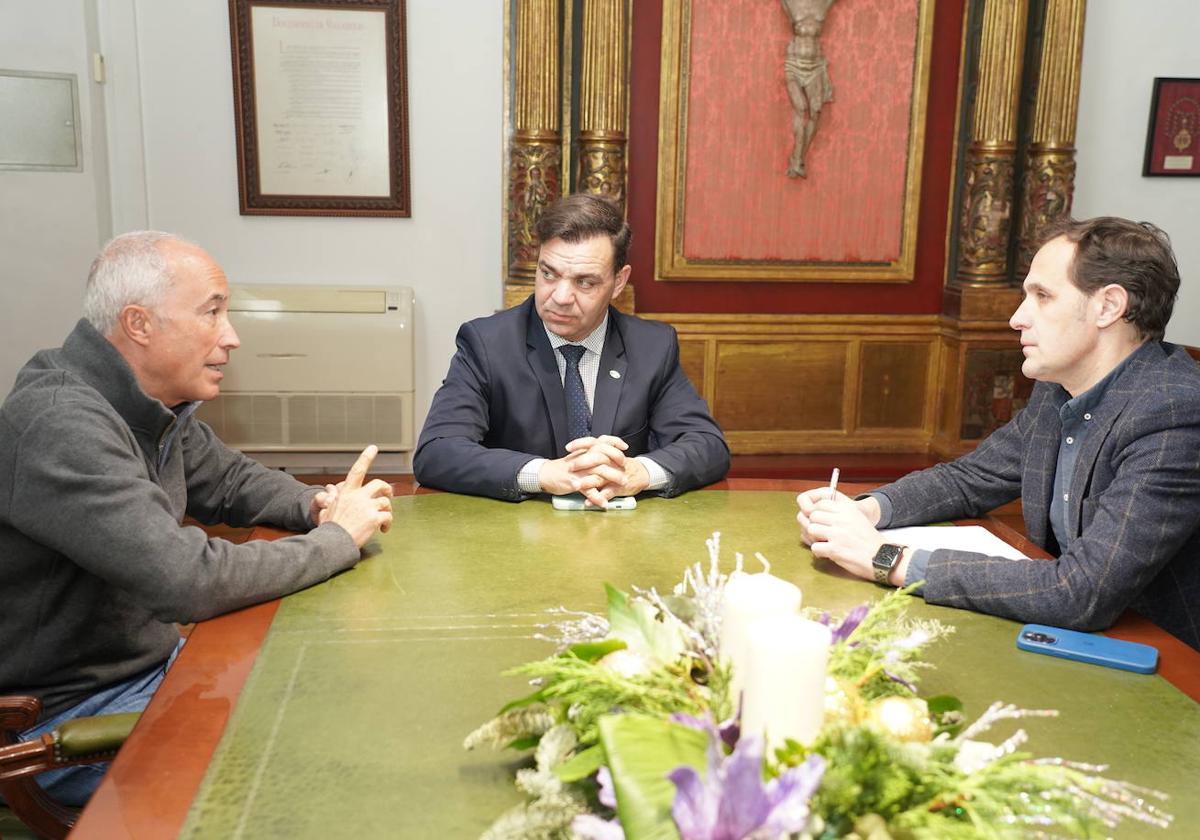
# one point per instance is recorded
(94, 565)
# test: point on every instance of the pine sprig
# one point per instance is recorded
(589, 690)
(880, 657)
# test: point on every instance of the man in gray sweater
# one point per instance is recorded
(101, 458)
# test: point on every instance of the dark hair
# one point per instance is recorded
(581, 216)
(1135, 255)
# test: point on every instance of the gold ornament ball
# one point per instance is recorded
(904, 718)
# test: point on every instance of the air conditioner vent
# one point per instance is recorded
(311, 422)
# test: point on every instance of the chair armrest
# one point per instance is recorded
(89, 736)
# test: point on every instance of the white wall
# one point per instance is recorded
(51, 223)
(448, 252)
(170, 93)
(1126, 44)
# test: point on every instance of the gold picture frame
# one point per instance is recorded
(670, 261)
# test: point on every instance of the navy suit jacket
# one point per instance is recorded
(502, 405)
(1134, 509)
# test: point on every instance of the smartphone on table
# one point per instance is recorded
(1088, 647)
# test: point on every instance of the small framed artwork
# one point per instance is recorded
(1173, 139)
(320, 106)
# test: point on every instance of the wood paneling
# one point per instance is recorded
(778, 385)
(692, 357)
(802, 384)
(893, 385)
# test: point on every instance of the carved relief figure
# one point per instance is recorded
(806, 72)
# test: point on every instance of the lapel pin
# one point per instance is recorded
(614, 374)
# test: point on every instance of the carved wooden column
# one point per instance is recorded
(987, 200)
(1049, 181)
(602, 90)
(603, 86)
(535, 163)
(981, 360)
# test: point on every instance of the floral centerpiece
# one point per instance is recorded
(636, 733)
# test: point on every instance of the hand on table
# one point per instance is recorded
(840, 529)
(357, 507)
(597, 468)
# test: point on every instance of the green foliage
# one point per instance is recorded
(520, 727)
(885, 647)
(637, 623)
(867, 772)
(591, 690)
(876, 786)
(641, 752)
(947, 713)
(581, 765)
(594, 651)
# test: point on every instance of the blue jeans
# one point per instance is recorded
(75, 785)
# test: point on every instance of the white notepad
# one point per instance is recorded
(965, 538)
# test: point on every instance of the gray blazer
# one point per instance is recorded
(1134, 513)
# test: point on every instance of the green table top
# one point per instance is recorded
(352, 721)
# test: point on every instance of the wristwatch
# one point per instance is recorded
(885, 560)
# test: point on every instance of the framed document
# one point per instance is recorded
(1173, 139)
(320, 107)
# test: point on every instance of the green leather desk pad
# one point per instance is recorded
(352, 721)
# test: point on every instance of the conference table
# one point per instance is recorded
(340, 711)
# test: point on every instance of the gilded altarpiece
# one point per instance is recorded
(728, 209)
(861, 307)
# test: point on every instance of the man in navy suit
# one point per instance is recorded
(1105, 457)
(564, 394)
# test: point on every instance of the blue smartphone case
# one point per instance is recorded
(1087, 647)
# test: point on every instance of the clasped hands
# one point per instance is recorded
(357, 507)
(840, 529)
(597, 468)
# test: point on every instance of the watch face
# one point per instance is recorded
(885, 560)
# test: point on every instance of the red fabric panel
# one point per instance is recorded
(923, 295)
(739, 201)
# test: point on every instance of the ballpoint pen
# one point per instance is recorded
(833, 480)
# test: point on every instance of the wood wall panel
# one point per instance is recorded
(796, 384)
(693, 354)
(780, 385)
(893, 385)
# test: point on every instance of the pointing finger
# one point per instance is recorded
(358, 472)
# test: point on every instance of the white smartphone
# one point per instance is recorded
(576, 502)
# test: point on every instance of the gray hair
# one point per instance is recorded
(130, 269)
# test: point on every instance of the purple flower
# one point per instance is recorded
(850, 623)
(592, 827)
(608, 794)
(732, 801)
(900, 680)
(727, 730)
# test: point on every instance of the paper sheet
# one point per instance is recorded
(965, 538)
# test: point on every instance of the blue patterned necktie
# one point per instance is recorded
(579, 416)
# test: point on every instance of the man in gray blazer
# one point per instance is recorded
(1105, 457)
(565, 394)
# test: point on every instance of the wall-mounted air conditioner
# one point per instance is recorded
(322, 372)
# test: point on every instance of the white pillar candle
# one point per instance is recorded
(747, 598)
(784, 694)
